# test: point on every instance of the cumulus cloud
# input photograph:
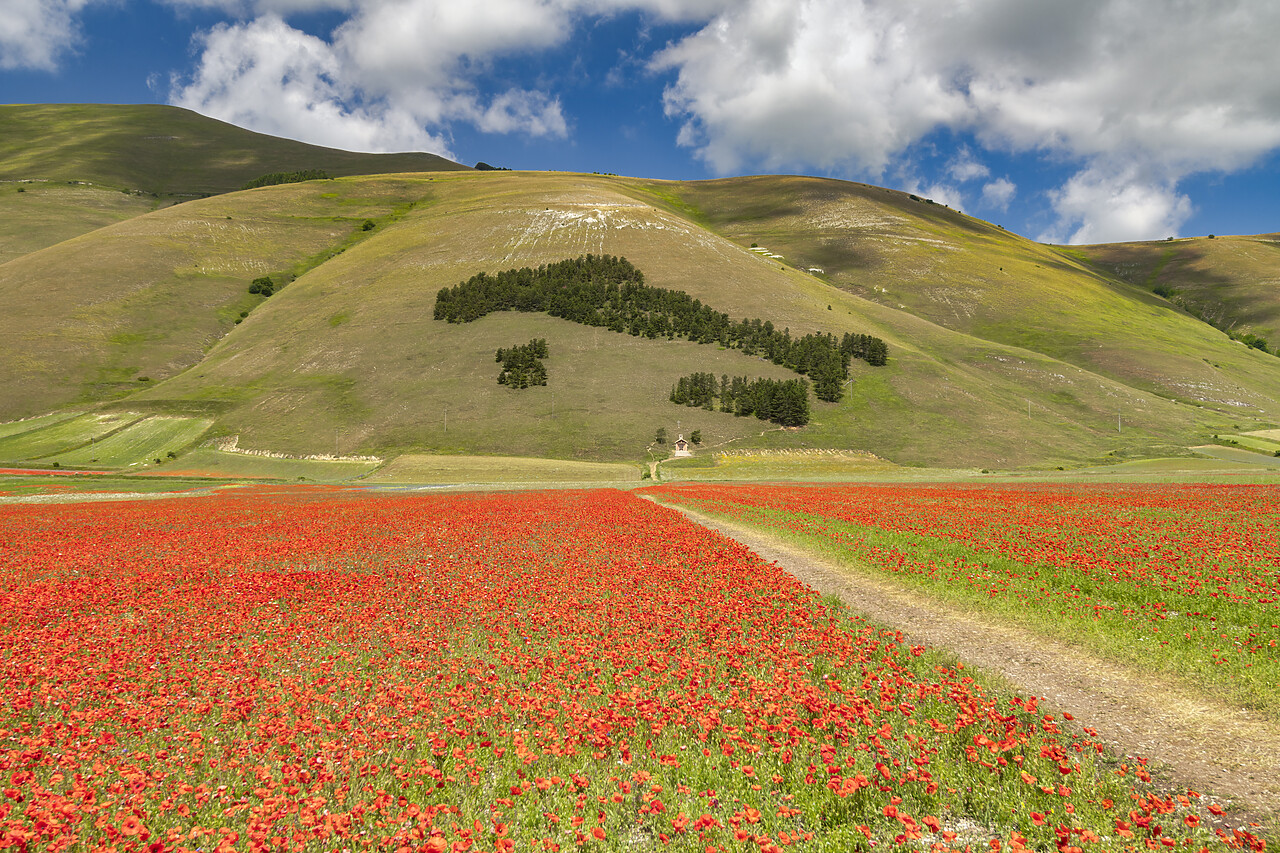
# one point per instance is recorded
(1115, 207)
(34, 34)
(965, 167)
(384, 78)
(1168, 89)
(395, 74)
(998, 193)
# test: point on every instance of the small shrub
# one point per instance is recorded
(368, 225)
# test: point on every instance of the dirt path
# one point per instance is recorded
(1196, 743)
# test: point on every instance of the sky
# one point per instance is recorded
(1084, 121)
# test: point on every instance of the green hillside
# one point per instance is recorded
(975, 278)
(1232, 283)
(166, 151)
(1003, 352)
(67, 169)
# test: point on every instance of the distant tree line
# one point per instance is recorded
(522, 365)
(287, 178)
(601, 290)
(783, 401)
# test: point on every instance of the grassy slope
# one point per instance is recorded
(1229, 281)
(166, 150)
(90, 318)
(978, 279)
(85, 166)
(46, 214)
(348, 360)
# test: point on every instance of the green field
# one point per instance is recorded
(58, 436)
(418, 468)
(139, 443)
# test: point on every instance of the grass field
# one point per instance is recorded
(418, 468)
(54, 436)
(143, 442)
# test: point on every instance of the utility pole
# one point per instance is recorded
(446, 418)
(1117, 420)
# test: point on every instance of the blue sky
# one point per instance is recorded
(1089, 121)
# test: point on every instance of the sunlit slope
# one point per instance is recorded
(67, 169)
(975, 278)
(45, 214)
(1231, 282)
(166, 150)
(101, 315)
(348, 359)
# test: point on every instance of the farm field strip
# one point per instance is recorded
(53, 436)
(1179, 579)
(317, 669)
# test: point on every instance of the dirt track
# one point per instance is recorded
(1192, 741)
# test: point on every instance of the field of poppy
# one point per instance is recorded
(1179, 578)
(320, 669)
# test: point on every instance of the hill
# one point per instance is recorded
(1229, 282)
(1002, 352)
(166, 151)
(66, 169)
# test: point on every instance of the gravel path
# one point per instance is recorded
(1191, 740)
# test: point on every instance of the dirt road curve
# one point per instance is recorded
(1196, 743)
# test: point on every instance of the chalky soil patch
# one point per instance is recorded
(1192, 740)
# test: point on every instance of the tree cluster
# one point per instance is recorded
(522, 365)
(263, 285)
(275, 178)
(601, 290)
(783, 401)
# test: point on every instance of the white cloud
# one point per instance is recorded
(998, 193)
(1106, 206)
(1165, 88)
(964, 167)
(819, 82)
(267, 76)
(34, 34)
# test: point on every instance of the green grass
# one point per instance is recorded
(167, 286)
(45, 214)
(59, 436)
(1229, 281)
(166, 151)
(22, 486)
(31, 424)
(417, 468)
(139, 443)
